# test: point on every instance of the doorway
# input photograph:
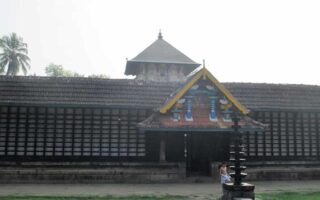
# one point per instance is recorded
(204, 148)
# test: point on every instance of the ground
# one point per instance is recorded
(171, 191)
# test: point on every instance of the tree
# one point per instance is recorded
(14, 56)
(99, 76)
(58, 71)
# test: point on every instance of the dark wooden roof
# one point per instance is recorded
(160, 51)
(132, 93)
(82, 91)
(276, 96)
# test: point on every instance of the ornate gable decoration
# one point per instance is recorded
(202, 95)
(201, 104)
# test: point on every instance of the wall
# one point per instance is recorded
(91, 172)
(161, 72)
(38, 132)
(290, 136)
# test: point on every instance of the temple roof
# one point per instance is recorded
(203, 73)
(28, 90)
(160, 51)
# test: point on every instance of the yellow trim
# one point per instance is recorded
(168, 105)
(203, 73)
(226, 92)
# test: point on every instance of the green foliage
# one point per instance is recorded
(14, 55)
(99, 76)
(58, 71)
(290, 195)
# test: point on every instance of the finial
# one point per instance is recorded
(204, 63)
(160, 35)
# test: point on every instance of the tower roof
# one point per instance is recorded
(160, 51)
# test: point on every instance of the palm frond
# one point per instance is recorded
(23, 49)
(3, 66)
(25, 63)
(14, 56)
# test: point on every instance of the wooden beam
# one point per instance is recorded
(64, 132)
(248, 143)
(17, 131)
(45, 132)
(287, 133)
(27, 131)
(317, 135)
(73, 132)
(302, 134)
(100, 131)
(82, 131)
(279, 133)
(264, 134)
(271, 132)
(256, 114)
(55, 131)
(36, 131)
(91, 131)
(110, 131)
(6, 149)
(295, 133)
(310, 135)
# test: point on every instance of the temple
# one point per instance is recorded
(172, 121)
(161, 62)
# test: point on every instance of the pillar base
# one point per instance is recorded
(243, 191)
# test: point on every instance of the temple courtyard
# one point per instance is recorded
(156, 191)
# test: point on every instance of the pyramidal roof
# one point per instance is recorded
(160, 51)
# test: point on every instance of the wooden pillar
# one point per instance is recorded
(162, 153)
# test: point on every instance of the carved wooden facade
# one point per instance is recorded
(152, 119)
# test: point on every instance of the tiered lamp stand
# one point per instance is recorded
(237, 190)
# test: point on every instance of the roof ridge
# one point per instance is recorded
(280, 84)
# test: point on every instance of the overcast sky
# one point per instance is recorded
(274, 41)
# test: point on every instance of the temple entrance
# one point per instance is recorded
(202, 149)
(197, 149)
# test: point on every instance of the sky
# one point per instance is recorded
(274, 41)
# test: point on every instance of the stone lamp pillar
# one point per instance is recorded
(237, 189)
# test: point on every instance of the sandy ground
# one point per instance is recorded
(197, 190)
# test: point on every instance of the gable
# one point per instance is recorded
(205, 86)
(201, 104)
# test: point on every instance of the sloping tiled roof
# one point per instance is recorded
(133, 93)
(160, 51)
(276, 96)
(82, 91)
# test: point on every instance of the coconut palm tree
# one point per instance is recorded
(14, 55)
